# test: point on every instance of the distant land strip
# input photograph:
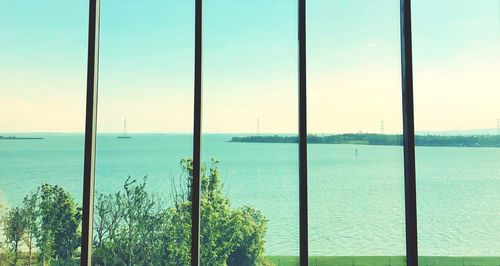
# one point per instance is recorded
(19, 138)
(381, 139)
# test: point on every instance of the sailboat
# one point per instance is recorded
(124, 136)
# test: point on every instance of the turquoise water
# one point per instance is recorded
(356, 201)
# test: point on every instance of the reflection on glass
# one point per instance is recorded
(142, 210)
(456, 66)
(249, 202)
(42, 111)
(356, 191)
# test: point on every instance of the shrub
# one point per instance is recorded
(135, 227)
(132, 227)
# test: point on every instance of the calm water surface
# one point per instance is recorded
(356, 200)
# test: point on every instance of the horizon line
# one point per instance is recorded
(420, 132)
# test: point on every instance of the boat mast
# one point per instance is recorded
(125, 127)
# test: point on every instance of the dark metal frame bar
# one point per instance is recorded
(90, 133)
(195, 215)
(303, 135)
(408, 135)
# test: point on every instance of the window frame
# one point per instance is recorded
(408, 133)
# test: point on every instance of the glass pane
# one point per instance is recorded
(142, 212)
(250, 202)
(456, 77)
(43, 51)
(356, 191)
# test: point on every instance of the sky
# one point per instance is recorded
(250, 67)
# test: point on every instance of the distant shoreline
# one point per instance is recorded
(19, 138)
(380, 139)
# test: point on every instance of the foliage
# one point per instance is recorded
(250, 227)
(14, 229)
(382, 139)
(2, 205)
(60, 219)
(133, 228)
(49, 220)
(128, 226)
(2, 210)
(30, 215)
(228, 236)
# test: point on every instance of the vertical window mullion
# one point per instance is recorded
(195, 215)
(408, 135)
(302, 134)
(90, 133)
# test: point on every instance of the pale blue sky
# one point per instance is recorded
(250, 65)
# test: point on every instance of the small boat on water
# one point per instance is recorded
(125, 135)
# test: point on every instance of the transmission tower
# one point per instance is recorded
(382, 127)
(258, 126)
(498, 131)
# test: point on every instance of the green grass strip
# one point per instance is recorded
(384, 261)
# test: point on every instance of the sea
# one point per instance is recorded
(356, 192)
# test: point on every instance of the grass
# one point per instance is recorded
(385, 261)
(23, 259)
(346, 261)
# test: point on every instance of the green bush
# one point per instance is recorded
(48, 219)
(14, 228)
(133, 228)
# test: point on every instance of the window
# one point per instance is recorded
(337, 190)
(145, 118)
(456, 66)
(355, 157)
(42, 113)
(250, 91)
